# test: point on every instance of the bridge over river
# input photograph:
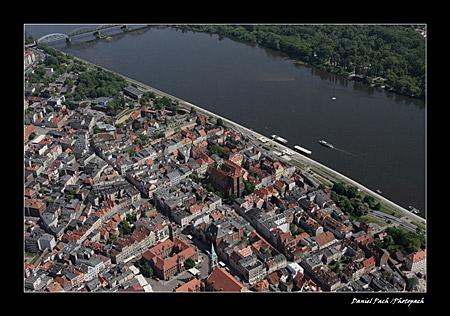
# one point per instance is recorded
(95, 29)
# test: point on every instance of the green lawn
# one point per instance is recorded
(390, 211)
(297, 164)
(372, 219)
(420, 225)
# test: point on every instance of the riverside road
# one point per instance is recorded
(407, 216)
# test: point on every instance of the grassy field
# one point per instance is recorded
(372, 219)
(389, 210)
(297, 164)
(422, 226)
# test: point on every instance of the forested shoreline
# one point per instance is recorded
(389, 56)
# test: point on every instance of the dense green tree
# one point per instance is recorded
(370, 200)
(112, 239)
(405, 240)
(163, 102)
(219, 122)
(335, 266)
(142, 140)
(346, 205)
(249, 187)
(116, 105)
(29, 39)
(339, 188)
(232, 198)
(351, 192)
(125, 228)
(215, 149)
(146, 97)
(393, 52)
(149, 95)
(51, 61)
(189, 263)
(145, 268)
(32, 136)
(98, 83)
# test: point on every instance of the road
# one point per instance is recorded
(248, 132)
(397, 221)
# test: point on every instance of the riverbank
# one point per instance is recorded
(332, 70)
(316, 167)
(321, 50)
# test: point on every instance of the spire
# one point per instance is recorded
(213, 260)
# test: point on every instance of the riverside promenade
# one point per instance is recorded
(336, 176)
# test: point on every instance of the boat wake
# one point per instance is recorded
(347, 152)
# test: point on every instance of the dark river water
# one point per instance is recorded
(379, 136)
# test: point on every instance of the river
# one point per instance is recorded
(379, 136)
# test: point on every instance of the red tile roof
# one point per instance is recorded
(158, 249)
(324, 238)
(196, 208)
(190, 286)
(247, 251)
(55, 287)
(274, 278)
(369, 262)
(261, 285)
(62, 281)
(220, 280)
(28, 129)
(279, 185)
(418, 256)
(29, 192)
(33, 203)
(216, 216)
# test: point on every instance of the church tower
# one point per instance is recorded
(213, 260)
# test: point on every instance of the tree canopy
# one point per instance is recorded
(351, 201)
(219, 122)
(163, 102)
(125, 228)
(393, 52)
(249, 187)
(144, 267)
(142, 140)
(98, 83)
(406, 241)
(189, 263)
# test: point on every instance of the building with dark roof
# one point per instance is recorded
(133, 92)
